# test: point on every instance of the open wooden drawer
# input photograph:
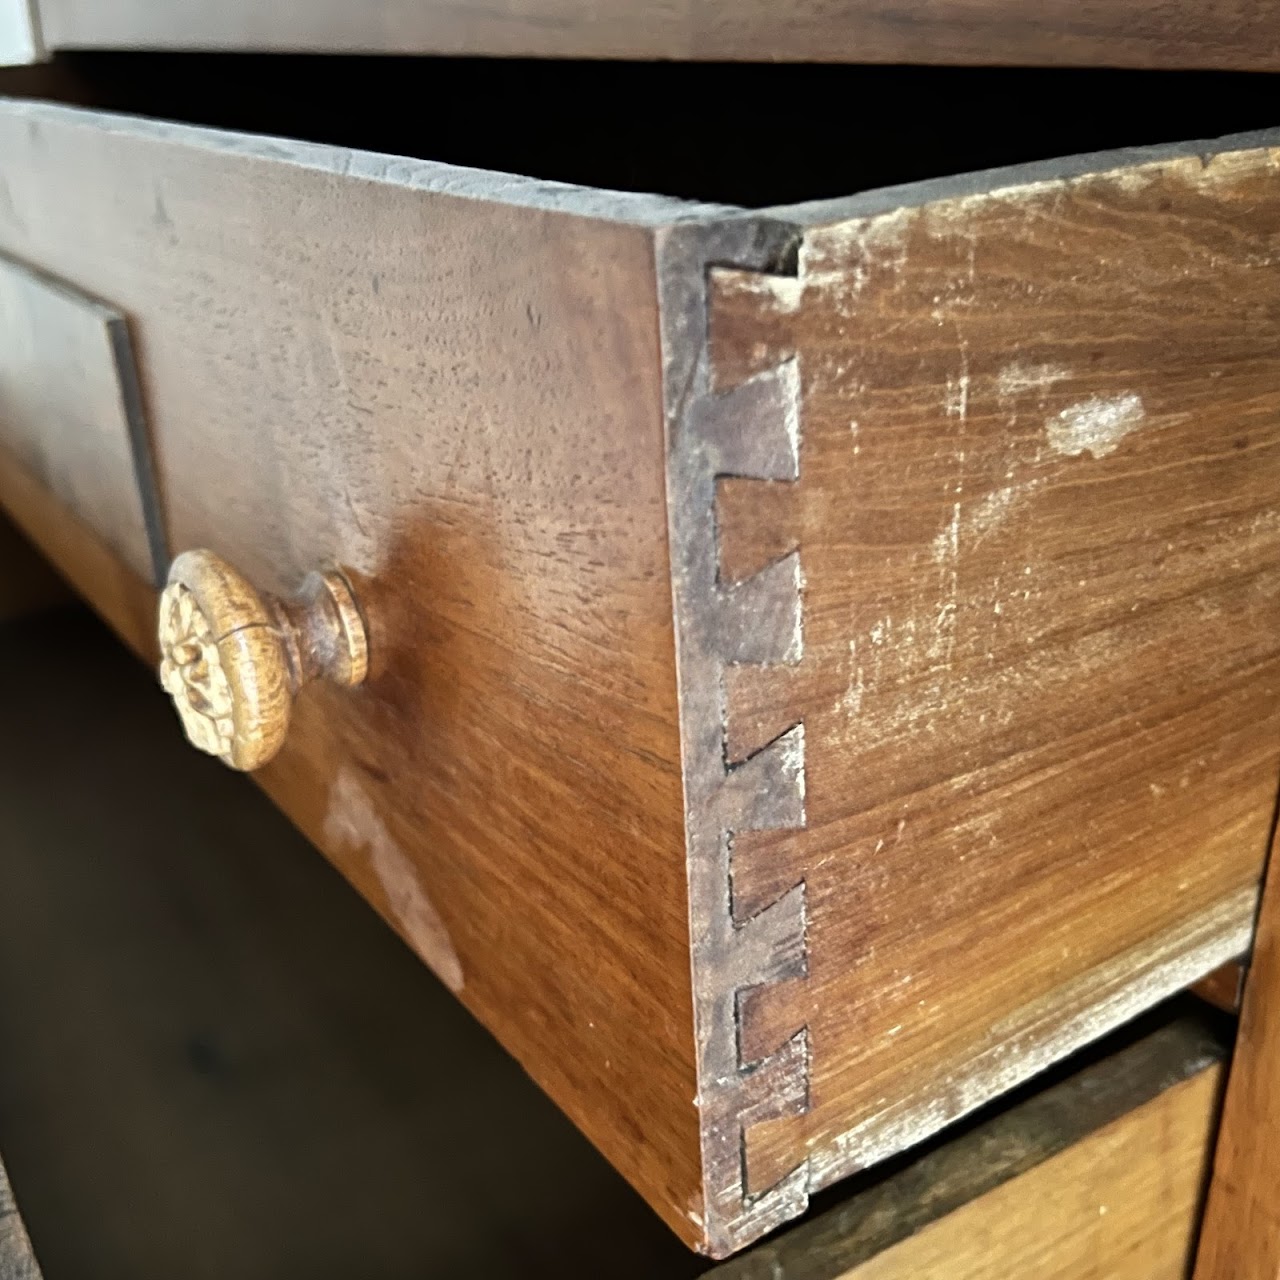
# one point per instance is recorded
(823, 660)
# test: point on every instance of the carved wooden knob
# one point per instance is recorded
(233, 660)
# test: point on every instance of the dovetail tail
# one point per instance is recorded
(739, 421)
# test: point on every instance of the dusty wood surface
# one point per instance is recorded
(71, 413)
(217, 1060)
(1037, 525)
(1137, 33)
(448, 388)
(17, 1261)
(1240, 1239)
(1096, 1175)
(126, 601)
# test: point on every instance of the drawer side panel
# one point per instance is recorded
(1037, 510)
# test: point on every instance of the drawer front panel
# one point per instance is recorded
(70, 411)
(447, 388)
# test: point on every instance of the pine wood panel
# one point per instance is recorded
(1240, 1239)
(1095, 1175)
(447, 384)
(1137, 33)
(1124, 1202)
(1037, 526)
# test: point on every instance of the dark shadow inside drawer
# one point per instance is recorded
(215, 1060)
(742, 134)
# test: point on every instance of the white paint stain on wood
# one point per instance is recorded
(1095, 426)
(353, 828)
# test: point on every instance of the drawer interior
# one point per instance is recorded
(744, 134)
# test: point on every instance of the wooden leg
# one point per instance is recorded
(1240, 1237)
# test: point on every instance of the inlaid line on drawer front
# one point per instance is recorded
(71, 411)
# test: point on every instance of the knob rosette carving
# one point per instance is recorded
(233, 659)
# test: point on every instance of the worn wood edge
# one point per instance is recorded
(434, 177)
(994, 1151)
(1019, 178)
(1041, 1034)
(748, 430)
(20, 38)
(126, 602)
(17, 1258)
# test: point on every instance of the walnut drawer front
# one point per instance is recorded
(823, 662)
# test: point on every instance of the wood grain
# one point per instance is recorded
(965, 498)
(1037, 522)
(1122, 1203)
(1240, 1238)
(70, 411)
(1098, 1174)
(447, 385)
(1136, 33)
